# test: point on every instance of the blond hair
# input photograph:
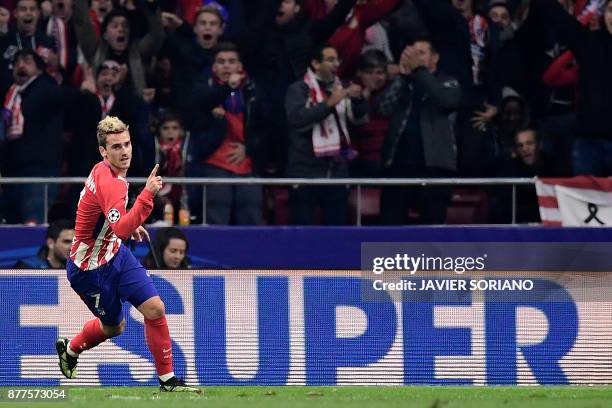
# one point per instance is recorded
(108, 126)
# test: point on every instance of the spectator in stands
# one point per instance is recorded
(318, 110)
(118, 43)
(188, 9)
(350, 38)
(282, 50)
(563, 72)
(234, 120)
(463, 37)
(137, 19)
(169, 250)
(98, 11)
(403, 26)
(469, 49)
(54, 253)
(592, 151)
(277, 49)
(525, 55)
(562, 77)
(190, 52)
(519, 54)
(160, 81)
(25, 35)
(368, 138)
(318, 8)
(530, 161)
(513, 115)
(377, 38)
(236, 14)
(208, 28)
(499, 13)
(60, 27)
(421, 102)
(5, 17)
(33, 119)
(171, 153)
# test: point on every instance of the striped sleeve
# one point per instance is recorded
(113, 201)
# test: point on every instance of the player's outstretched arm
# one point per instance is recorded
(122, 222)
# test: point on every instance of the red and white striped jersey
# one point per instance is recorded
(102, 219)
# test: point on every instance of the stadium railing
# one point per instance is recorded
(357, 182)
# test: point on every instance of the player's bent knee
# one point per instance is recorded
(113, 331)
(157, 310)
(153, 308)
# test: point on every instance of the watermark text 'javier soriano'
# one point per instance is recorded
(410, 265)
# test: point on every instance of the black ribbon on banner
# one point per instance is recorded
(593, 208)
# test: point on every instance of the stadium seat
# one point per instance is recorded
(277, 205)
(370, 206)
(467, 206)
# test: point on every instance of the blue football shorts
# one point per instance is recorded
(105, 289)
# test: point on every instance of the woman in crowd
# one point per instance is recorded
(169, 251)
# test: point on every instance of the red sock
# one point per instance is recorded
(90, 336)
(160, 345)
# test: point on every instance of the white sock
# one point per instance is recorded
(166, 377)
(71, 353)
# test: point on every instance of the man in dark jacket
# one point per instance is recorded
(54, 253)
(25, 35)
(530, 161)
(318, 110)
(592, 152)
(234, 129)
(469, 49)
(422, 103)
(33, 119)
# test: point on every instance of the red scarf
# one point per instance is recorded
(107, 105)
(174, 158)
(56, 29)
(479, 34)
(12, 104)
(172, 167)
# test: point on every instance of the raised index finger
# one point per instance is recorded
(154, 171)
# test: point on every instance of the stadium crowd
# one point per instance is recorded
(305, 88)
(167, 251)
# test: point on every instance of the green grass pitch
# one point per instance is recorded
(335, 397)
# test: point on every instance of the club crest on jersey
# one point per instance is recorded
(114, 215)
